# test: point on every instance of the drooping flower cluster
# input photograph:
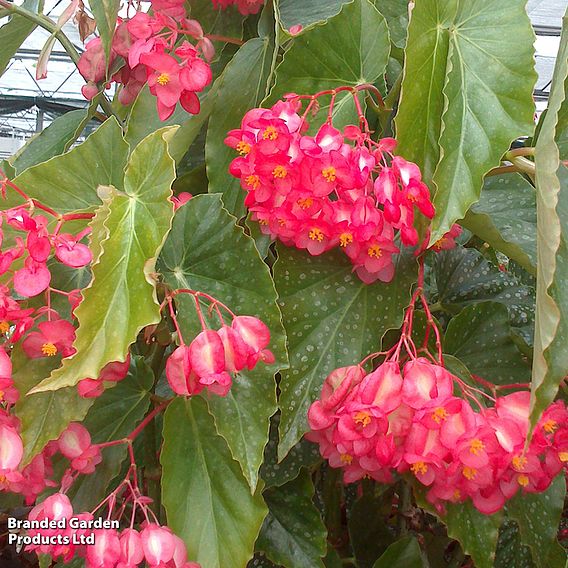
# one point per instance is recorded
(210, 360)
(334, 189)
(245, 7)
(145, 49)
(406, 417)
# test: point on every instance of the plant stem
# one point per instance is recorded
(332, 498)
(404, 507)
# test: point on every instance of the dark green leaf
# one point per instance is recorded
(404, 553)
(305, 14)
(396, 15)
(207, 499)
(511, 553)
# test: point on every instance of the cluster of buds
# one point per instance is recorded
(245, 7)
(54, 529)
(145, 49)
(334, 189)
(405, 417)
(211, 359)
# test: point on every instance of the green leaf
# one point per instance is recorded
(511, 553)
(207, 499)
(52, 141)
(68, 183)
(396, 15)
(105, 13)
(113, 416)
(476, 532)
(466, 94)
(480, 336)
(350, 49)
(228, 23)
(205, 251)
(464, 277)
(538, 516)
(293, 533)
(505, 217)
(551, 335)
(299, 12)
(332, 319)
(404, 553)
(242, 86)
(134, 225)
(14, 33)
(45, 415)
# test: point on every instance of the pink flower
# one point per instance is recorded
(164, 81)
(131, 553)
(33, 279)
(256, 336)
(11, 448)
(158, 544)
(71, 252)
(74, 440)
(181, 377)
(105, 553)
(54, 337)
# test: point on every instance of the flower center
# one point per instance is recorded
(563, 456)
(262, 222)
(457, 495)
(305, 203)
(346, 459)
(270, 133)
(243, 148)
(280, 172)
(519, 462)
(476, 446)
(469, 472)
(374, 251)
(4, 327)
(329, 174)
(363, 418)
(550, 426)
(49, 349)
(439, 415)
(345, 239)
(419, 468)
(253, 181)
(523, 480)
(316, 235)
(163, 79)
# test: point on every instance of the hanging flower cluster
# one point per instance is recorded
(211, 359)
(334, 189)
(245, 7)
(145, 49)
(406, 417)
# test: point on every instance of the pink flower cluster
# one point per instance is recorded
(154, 544)
(145, 49)
(332, 189)
(214, 355)
(245, 7)
(409, 420)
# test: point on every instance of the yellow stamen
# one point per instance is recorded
(243, 148)
(363, 418)
(439, 244)
(329, 174)
(262, 222)
(280, 172)
(550, 426)
(4, 327)
(346, 459)
(48, 349)
(163, 79)
(469, 472)
(282, 222)
(253, 181)
(305, 203)
(457, 495)
(439, 415)
(519, 463)
(419, 467)
(563, 456)
(345, 239)
(270, 133)
(316, 235)
(2, 393)
(374, 251)
(476, 446)
(523, 480)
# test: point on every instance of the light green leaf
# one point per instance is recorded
(350, 49)
(538, 516)
(396, 15)
(550, 354)
(293, 533)
(45, 415)
(207, 499)
(404, 553)
(505, 217)
(106, 13)
(136, 223)
(299, 12)
(476, 532)
(52, 141)
(68, 183)
(14, 32)
(113, 416)
(480, 336)
(205, 251)
(466, 94)
(242, 86)
(332, 319)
